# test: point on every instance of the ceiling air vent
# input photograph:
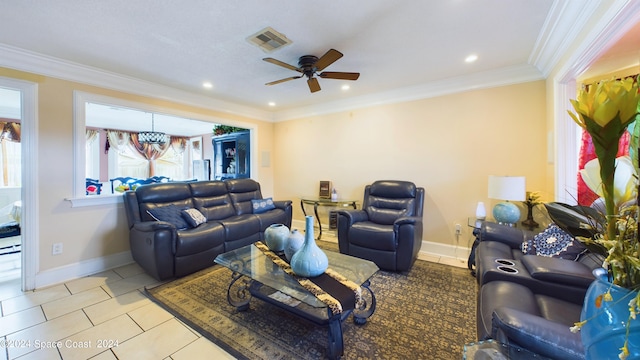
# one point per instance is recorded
(268, 39)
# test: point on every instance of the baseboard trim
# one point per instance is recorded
(445, 253)
(431, 251)
(83, 268)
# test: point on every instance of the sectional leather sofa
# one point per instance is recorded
(169, 239)
(530, 301)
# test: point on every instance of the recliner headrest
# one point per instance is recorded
(393, 189)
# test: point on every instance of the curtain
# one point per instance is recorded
(179, 144)
(150, 152)
(11, 131)
(117, 139)
(90, 135)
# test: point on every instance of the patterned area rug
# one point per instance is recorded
(428, 312)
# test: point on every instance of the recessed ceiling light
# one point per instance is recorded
(471, 58)
(271, 103)
(345, 87)
(207, 85)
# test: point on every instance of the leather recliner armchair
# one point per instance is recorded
(388, 229)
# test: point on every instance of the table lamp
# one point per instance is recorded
(506, 188)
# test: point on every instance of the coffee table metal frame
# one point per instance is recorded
(255, 275)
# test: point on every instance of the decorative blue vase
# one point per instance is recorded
(294, 243)
(310, 260)
(275, 236)
(605, 331)
(506, 213)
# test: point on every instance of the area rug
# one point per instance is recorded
(428, 312)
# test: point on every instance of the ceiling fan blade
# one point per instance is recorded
(327, 59)
(283, 80)
(283, 64)
(339, 75)
(313, 84)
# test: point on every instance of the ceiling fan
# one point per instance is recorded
(309, 65)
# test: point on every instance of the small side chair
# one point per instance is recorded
(388, 229)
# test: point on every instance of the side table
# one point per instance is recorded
(317, 201)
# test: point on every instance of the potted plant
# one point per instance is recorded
(605, 110)
(226, 129)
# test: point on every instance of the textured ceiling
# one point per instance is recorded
(181, 44)
(397, 46)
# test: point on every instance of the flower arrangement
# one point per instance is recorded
(531, 200)
(605, 111)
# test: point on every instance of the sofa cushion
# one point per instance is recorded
(196, 240)
(169, 213)
(193, 217)
(554, 242)
(262, 205)
(373, 236)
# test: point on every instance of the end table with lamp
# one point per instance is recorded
(506, 188)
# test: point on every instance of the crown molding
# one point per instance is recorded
(619, 18)
(494, 78)
(558, 33)
(23, 60)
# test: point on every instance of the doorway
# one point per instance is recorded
(10, 187)
(17, 184)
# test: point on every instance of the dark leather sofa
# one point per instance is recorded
(165, 251)
(529, 301)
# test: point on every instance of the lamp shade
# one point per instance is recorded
(507, 188)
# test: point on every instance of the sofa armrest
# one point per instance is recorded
(536, 334)
(151, 226)
(411, 220)
(282, 204)
(353, 216)
(558, 270)
(153, 245)
(508, 235)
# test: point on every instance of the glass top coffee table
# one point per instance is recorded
(255, 275)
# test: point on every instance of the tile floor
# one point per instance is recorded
(102, 316)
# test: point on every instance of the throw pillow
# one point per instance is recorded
(171, 214)
(193, 217)
(528, 248)
(262, 205)
(555, 242)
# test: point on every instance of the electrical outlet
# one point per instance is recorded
(56, 249)
(458, 229)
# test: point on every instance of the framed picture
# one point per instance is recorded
(325, 189)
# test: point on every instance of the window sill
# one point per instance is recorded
(95, 200)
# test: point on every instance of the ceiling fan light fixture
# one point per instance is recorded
(310, 65)
(268, 39)
(152, 137)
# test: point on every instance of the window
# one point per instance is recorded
(92, 165)
(101, 112)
